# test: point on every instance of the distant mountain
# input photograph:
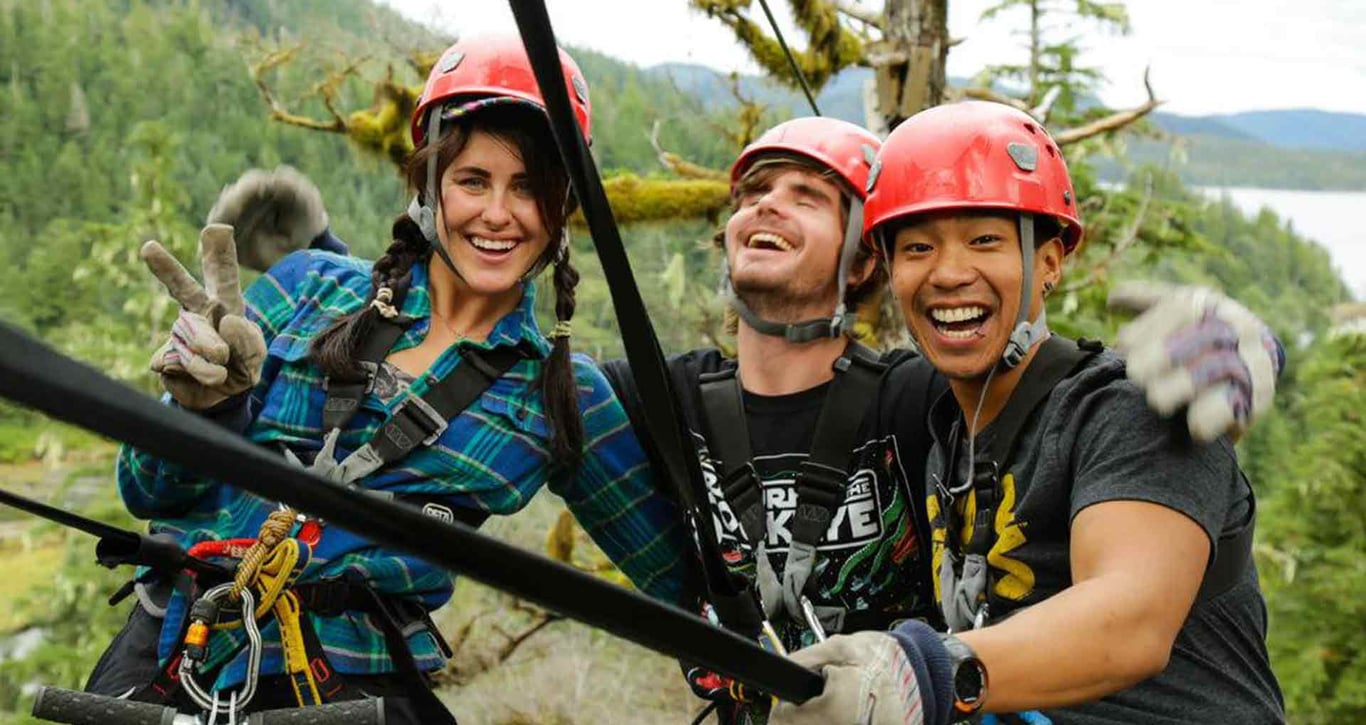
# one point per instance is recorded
(1198, 126)
(1303, 128)
(1301, 148)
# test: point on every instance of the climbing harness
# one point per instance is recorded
(964, 574)
(821, 481)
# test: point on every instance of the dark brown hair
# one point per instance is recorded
(525, 131)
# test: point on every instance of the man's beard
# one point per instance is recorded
(783, 304)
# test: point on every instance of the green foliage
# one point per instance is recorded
(1312, 538)
(1054, 50)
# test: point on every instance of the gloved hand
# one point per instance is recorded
(1194, 347)
(876, 678)
(214, 351)
(273, 214)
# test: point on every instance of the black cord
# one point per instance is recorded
(705, 712)
(796, 69)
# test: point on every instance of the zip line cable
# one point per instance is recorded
(732, 597)
(40, 378)
(796, 69)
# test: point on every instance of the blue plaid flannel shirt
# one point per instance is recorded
(493, 457)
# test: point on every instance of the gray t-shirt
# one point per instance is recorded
(1093, 440)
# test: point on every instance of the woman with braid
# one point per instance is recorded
(422, 377)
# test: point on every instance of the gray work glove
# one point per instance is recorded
(1195, 348)
(272, 212)
(869, 680)
(214, 351)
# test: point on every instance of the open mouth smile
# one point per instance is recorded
(769, 241)
(495, 247)
(962, 322)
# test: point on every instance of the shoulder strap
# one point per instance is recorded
(344, 396)
(727, 433)
(420, 420)
(823, 477)
(1055, 361)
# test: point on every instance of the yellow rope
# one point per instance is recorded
(274, 529)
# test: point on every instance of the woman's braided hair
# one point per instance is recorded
(336, 348)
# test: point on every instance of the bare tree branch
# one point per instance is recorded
(679, 165)
(861, 14)
(1099, 271)
(278, 111)
(1046, 104)
(1113, 122)
(987, 94)
(517, 640)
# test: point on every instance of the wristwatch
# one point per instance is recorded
(969, 677)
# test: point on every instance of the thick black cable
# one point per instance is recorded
(33, 375)
(117, 546)
(796, 69)
(659, 402)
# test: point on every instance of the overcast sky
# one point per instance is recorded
(1207, 56)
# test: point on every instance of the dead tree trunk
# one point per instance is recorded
(908, 62)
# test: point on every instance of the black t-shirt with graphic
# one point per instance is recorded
(874, 556)
(1093, 440)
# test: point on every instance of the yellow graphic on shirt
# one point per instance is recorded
(1018, 580)
(1011, 578)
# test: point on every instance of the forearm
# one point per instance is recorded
(154, 488)
(1094, 638)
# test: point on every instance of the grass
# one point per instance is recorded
(567, 673)
(27, 564)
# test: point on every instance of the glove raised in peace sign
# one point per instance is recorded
(214, 351)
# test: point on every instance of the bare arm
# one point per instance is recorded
(1136, 568)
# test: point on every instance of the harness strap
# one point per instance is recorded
(1232, 555)
(344, 396)
(963, 579)
(822, 479)
(420, 420)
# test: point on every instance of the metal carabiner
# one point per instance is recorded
(238, 698)
(813, 622)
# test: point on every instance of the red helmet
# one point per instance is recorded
(843, 147)
(495, 67)
(971, 155)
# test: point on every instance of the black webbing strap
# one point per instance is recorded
(727, 434)
(1055, 360)
(33, 375)
(1232, 557)
(681, 468)
(824, 476)
(116, 546)
(344, 396)
(421, 420)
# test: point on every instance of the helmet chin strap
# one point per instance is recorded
(1026, 334)
(806, 330)
(425, 216)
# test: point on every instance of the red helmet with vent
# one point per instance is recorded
(494, 67)
(842, 147)
(971, 155)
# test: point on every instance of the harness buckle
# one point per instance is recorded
(425, 416)
(371, 372)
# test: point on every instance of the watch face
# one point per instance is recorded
(969, 681)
